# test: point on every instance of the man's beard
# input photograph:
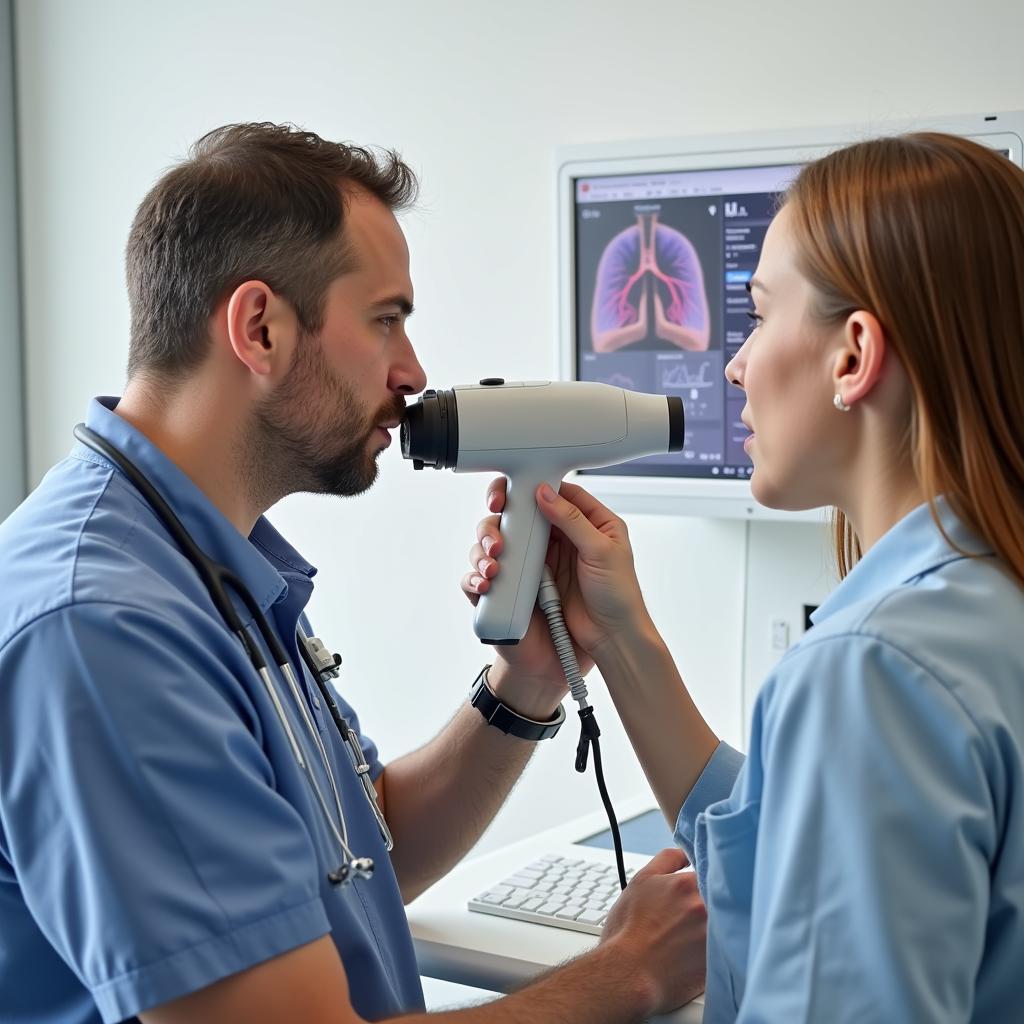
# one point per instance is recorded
(313, 434)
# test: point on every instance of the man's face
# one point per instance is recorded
(324, 427)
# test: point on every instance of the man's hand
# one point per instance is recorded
(659, 924)
(651, 959)
(527, 675)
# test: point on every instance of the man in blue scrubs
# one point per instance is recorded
(163, 855)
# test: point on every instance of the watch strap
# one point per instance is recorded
(502, 717)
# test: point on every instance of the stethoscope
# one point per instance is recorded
(322, 665)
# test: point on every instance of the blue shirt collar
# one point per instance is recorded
(264, 561)
(911, 549)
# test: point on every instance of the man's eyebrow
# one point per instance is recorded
(401, 301)
(754, 283)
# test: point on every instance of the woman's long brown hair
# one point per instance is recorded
(926, 231)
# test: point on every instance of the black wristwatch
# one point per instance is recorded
(502, 717)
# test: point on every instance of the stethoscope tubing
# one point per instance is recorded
(217, 579)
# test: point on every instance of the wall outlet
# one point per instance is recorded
(780, 635)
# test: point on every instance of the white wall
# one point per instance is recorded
(476, 96)
(12, 420)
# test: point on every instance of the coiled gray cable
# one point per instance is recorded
(550, 602)
(551, 605)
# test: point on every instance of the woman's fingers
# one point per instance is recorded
(583, 534)
(600, 515)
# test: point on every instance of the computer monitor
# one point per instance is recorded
(657, 242)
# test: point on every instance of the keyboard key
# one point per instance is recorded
(570, 913)
(523, 881)
(592, 917)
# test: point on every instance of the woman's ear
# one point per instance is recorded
(858, 363)
(261, 328)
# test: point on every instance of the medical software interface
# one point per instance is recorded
(662, 264)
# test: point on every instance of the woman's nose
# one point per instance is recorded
(734, 371)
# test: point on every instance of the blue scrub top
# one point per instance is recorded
(866, 862)
(156, 833)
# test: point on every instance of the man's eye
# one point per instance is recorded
(390, 320)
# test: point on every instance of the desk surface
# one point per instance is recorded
(495, 953)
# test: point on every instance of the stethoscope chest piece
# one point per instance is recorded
(357, 867)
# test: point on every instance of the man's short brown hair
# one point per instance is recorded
(252, 201)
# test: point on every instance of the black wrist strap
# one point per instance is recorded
(502, 717)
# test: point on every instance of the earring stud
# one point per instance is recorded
(840, 404)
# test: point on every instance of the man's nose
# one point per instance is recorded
(408, 377)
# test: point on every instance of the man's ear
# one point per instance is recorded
(859, 361)
(261, 328)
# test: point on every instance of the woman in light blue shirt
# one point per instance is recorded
(865, 861)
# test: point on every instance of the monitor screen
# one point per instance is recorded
(663, 262)
(657, 242)
(643, 833)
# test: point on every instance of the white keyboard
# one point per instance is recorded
(564, 892)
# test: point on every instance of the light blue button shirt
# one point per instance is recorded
(156, 833)
(866, 862)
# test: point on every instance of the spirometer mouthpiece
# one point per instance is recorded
(429, 431)
(533, 432)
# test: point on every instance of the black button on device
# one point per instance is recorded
(492, 382)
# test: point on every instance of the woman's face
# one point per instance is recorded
(785, 368)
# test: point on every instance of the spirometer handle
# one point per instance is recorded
(503, 613)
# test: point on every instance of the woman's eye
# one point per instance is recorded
(755, 320)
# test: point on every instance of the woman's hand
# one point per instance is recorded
(592, 562)
(591, 559)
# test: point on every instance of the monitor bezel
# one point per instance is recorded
(720, 498)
